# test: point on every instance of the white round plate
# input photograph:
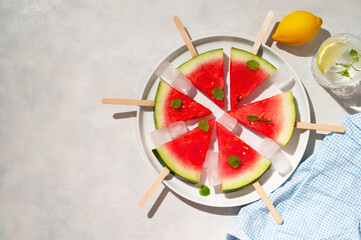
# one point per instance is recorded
(270, 180)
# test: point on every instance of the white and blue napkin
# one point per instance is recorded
(321, 200)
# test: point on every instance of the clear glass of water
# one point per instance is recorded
(343, 77)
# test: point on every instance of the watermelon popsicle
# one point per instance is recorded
(273, 121)
(172, 105)
(184, 156)
(249, 72)
(263, 145)
(177, 129)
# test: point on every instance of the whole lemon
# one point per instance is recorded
(297, 28)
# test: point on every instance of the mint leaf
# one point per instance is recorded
(356, 68)
(176, 103)
(346, 74)
(252, 118)
(252, 64)
(203, 125)
(234, 161)
(353, 53)
(343, 65)
(258, 119)
(342, 72)
(204, 190)
(266, 120)
(218, 93)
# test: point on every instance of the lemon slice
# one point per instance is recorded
(329, 54)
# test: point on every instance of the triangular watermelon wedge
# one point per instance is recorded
(252, 166)
(185, 155)
(205, 71)
(243, 80)
(276, 117)
(164, 113)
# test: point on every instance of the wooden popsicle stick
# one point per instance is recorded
(267, 202)
(153, 187)
(322, 127)
(185, 36)
(262, 32)
(118, 101)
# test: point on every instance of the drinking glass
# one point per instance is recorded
(343, 77)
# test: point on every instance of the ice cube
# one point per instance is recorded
(166, 71)
(252, 138)
(268, 147)
(177, 129)
(173, 77)
(212, 161)
(228, 121)
(160, 136)
(182, 84)
(282, 79)
(214, 177)
(167, 134)
(281, 164)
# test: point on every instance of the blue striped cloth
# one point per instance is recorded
(321, 200)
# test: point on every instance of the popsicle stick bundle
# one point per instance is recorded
(185, 153)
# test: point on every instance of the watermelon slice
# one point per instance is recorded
(206, 73)
(243, 80)
(252, 166)
(276, 117)
(164, 113)
(186, 154)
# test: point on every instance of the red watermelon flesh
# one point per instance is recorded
(279, 109)
(205, 71)
(164, 113)
(252, 166)
(243, 80)
(186, 154)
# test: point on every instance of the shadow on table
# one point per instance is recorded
(123, 115)
(304, 50)
(314, 135)
(158, 202)
(351, 105)
(228, 211)
(131, 114)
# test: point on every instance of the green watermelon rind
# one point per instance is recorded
(166, 159)
(162, 93)
(190, 65)
(290, 116)
(244, 56)
(262, 165)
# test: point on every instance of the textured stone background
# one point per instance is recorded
(69, 169)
